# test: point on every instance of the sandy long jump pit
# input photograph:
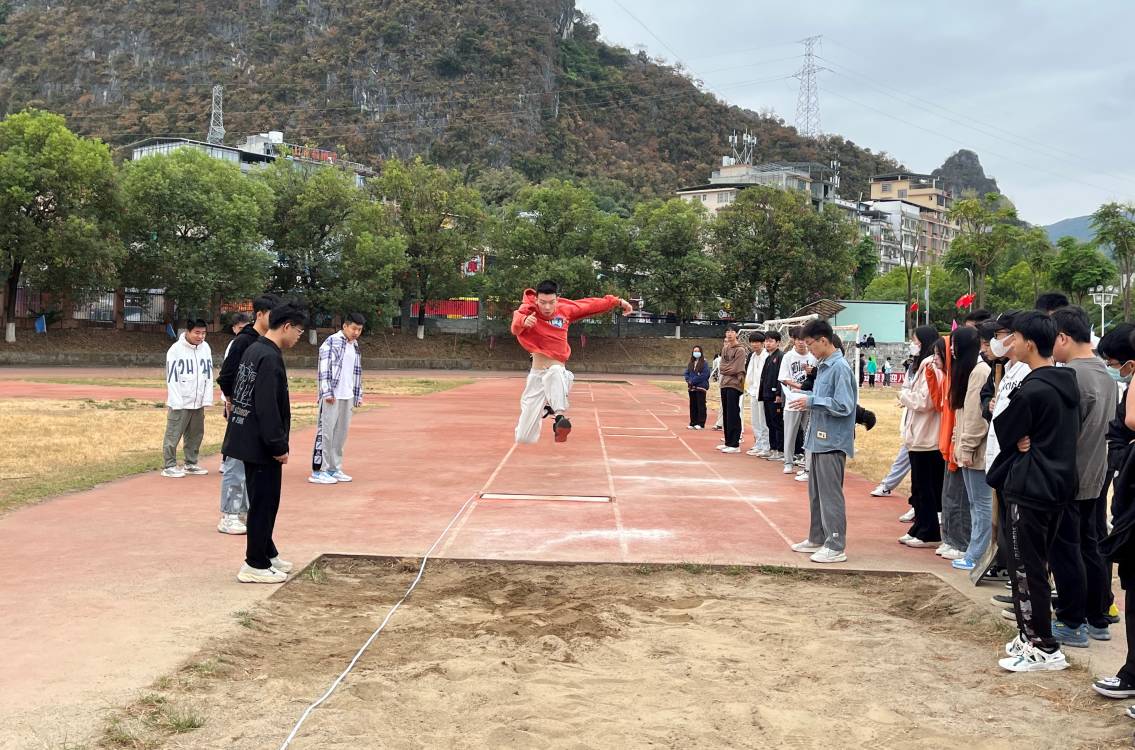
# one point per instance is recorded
(513, 655)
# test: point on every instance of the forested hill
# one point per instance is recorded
(522, 83)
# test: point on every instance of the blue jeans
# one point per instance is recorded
(980, 513)
(234, 494)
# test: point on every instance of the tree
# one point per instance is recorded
(986, 230)
(57, 203)
(945, 288)
(865, 255)
(1114, 226)
(1037, 252)
(1014, 288)
(1079, 266)
(676, 272)
(193, 227)
(441, 220)
(371, 260)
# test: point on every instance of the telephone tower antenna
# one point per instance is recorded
(808, 102)
(217, 119)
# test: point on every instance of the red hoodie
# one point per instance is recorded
(549, 335)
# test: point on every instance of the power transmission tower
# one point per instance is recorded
(217, 120)
(808, 102)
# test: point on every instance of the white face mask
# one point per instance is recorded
(915, 348)
(697, 355)
(999, 348)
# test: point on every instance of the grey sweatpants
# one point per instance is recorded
(955, 511)
(795, 422)
(187, 423)
(825, 497)
(334, 421)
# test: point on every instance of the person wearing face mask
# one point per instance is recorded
(697, 381)
(921, 422)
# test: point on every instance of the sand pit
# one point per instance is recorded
(488, 655)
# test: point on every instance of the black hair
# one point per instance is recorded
(837, 342)
(978, 316)
(1050, 301)
(1005, 320)
(966, 343)
(289, 312)
(265, 303)
(240, 318)
(1038, 328)
(195, 323)
(356, 318)
(926, 336)
(697, 364)
(1073, 322)
(774, 335)
(729, 328)
(547, 287)
(988, 329)
(756, 336)
(1117, 343)
(794, 332)
(817, 329)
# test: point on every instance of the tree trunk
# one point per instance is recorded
(1126, 288)
(906, 305)
(979, 288)
(10, 287)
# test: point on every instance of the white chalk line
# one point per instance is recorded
(624, 551)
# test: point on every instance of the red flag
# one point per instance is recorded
(966, 300)
(914, 306)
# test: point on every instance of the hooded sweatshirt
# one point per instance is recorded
(261, 421)
(733, 366)
(189, 375)
(549, 335)
(227, 379)
(1046, 409)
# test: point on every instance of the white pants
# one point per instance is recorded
(757, 422)
(550, 386)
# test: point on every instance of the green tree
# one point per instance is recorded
(57, 205)
(1079, 266)
(986, 231)
(441, 220)
(676, 272)
(1114, 226)
(371, 261)
(1014, 288)
(193, 224)
(1038, 253)
(946, 287)
(865, 255)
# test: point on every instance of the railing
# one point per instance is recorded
(461, 308)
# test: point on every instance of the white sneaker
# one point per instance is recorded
(1016, 646)
(243, 518)
(755, 451)
(195, 470)
(825, 555)
(719, 446)
(953, 554)
(905, 538)
(1033, 659)
(230, 524)
(917, 543)
(689, 427)
(730, 450)
(941, 548)
(789, 469)
(339, 476)
(281, 565)
(802, 477)
(908, 516)
(806, 546)
(1009, 614)
(775, 456)
(321, 477)
(173, 472)
(249, 574)
(880, 491)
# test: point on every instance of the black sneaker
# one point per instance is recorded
(996, 574)
(548, 411)
(561, 427)
(1114, 687)
(1000, 599)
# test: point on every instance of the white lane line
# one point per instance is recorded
(623, 550)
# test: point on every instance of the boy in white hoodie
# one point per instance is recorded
(189, 389)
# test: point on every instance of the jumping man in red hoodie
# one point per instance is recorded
(540, 324)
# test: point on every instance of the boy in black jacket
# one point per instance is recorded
(1035, 481)
(259, 427)
(771, 398)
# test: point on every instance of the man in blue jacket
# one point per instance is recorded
(830, 441)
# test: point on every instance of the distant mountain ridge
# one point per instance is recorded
(1079, 227)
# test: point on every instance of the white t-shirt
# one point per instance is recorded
(792, 368)
(346, 387)
(1010, 382)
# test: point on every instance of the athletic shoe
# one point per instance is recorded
(1114, 687)
(907, 517)
(802, 477)
(195, 470)
(249, 574)
(1113, 614)
(825, 555)
(243, 518)
(905, 538)
(776, 456)
(699, 427)
(322, 477)
(1099, 634)
(730, 450)
(997, 574)
(339, 476)
(799, 461)
(281, 565)
(1033, 659)
(941, 548)
(690, 427)
(806, 546)
(561, 428)
(1016, 646)
(957, 556)
(917, 543)
(1130, 712)
(789, 469)
(1001, 599)
(1075, 637)
(719, 446)
(548, 411)
(1009, 614)
(963, 564)
(230, 524)
(755, 451)
(880, 491)
(173, 472)
(718, 428)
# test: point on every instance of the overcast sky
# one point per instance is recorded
(1042, 91)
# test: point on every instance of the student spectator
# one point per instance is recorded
(955, 524)
(1050, 301)
(872, 369)
(969, 375)
(189, 390)
(771, 397)
(920, 435)
(715, 376)
(754, 368)
(794, 368)
(975, 318)
(732, 374)
(697, 381)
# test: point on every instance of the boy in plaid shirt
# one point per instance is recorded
(340, 391)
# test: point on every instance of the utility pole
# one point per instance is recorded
(808, 101)
(217, 119)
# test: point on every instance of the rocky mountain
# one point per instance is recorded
(520, 83)
(962, 174)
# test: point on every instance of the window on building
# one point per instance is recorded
(902, 194)
(886, 187)
(702, 196)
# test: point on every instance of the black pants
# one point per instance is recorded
(871, 380)
(1128, 670)
(697, 408)
(1078, 569)
(731, 416)
(927, 470)
(1028, 535)
(774, 420)
(263, 482)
